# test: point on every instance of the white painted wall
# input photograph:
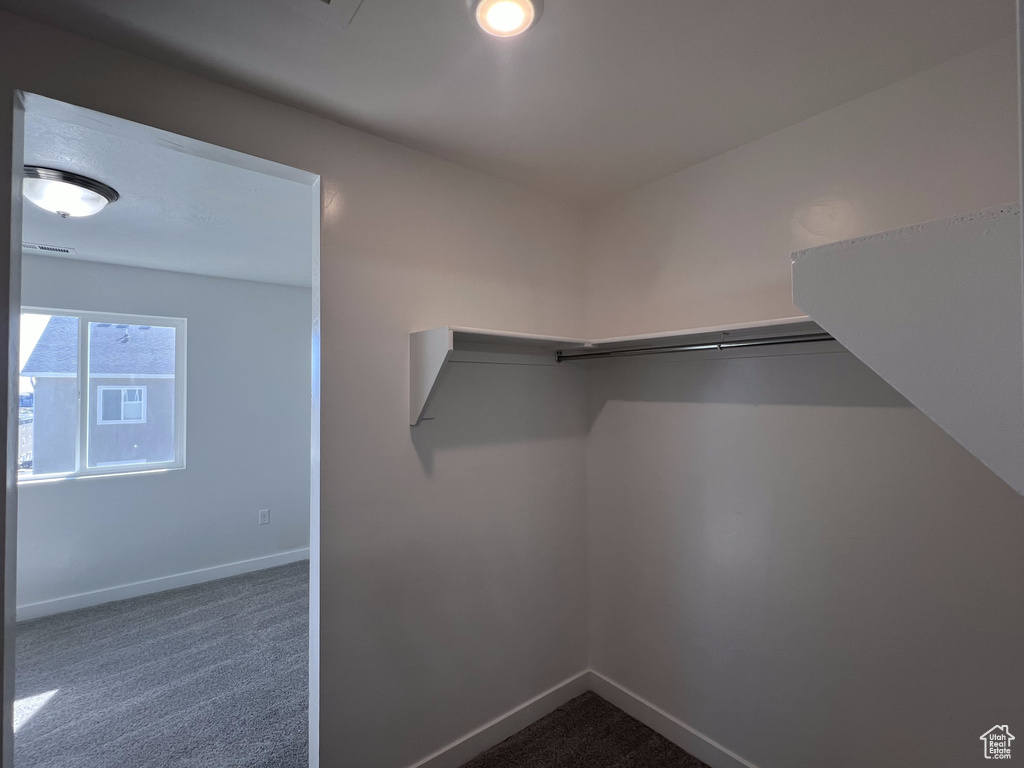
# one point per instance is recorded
(711, 245)
(247, 433)
(791, 560)
(788, 558)
(784, 555)
(453, 569)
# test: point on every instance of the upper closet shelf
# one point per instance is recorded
(935, 309)
(431, 351)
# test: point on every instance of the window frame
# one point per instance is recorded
(123, 388)
(85, 383)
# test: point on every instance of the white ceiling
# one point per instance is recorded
(178, 211)
(601, 97)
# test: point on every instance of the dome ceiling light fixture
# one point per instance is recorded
(506, 18)
(66, 193)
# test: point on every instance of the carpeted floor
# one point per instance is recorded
(587, 732)
(210, 676)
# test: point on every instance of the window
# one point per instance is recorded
(100, 393)
(121, 405)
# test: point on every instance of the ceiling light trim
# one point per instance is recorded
(531, 9)
(52, 174)
(65, 193)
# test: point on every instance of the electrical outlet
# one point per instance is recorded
(264, 516)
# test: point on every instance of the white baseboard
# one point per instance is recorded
(162, 584)
(676, 731)
(499, 729)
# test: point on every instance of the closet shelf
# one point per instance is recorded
(935, 309)
(787, 330)
(431, 351)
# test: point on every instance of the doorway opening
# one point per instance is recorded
(168, 451)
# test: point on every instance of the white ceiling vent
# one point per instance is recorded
(52, 250)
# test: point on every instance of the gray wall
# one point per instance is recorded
(437, 610)
(454, 559)
(154, 438)
(55, 436)
(247, 439)
(790, 559)
(784, 555)
(56, 424)
(712, 244)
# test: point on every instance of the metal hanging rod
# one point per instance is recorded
(724, 343)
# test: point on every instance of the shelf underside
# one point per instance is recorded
(935, 309)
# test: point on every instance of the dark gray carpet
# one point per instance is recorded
(588, 732)
(210, 676)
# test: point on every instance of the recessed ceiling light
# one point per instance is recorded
(65, 193)
(506, 18)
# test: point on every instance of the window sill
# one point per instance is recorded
(27, 481)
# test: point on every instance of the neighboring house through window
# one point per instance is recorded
(121, 405)
(101, 393)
